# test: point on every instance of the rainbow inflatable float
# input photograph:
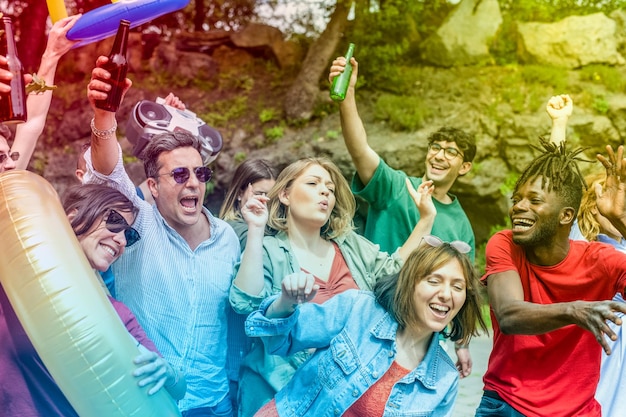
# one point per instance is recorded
(64, 311)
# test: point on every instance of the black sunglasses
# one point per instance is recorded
(14, 156)
(115, 223)
(181, 175)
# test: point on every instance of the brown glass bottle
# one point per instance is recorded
(117, 66)
(12, 104)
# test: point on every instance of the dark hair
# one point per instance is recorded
(395, 293)
(90, 202)
(465, 141)
(249, 171)
(166, 142)
(558, 171)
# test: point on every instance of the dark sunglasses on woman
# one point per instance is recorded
(115, 223)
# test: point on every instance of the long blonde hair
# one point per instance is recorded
(587, 222)
(341, 218)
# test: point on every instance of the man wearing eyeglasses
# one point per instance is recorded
(177, 277)
(392, 214)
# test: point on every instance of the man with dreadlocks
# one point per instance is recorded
(549, 294)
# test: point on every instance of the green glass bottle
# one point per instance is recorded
(341, 82)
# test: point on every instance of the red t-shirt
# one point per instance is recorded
(556, 373)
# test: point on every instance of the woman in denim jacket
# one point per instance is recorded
(309, 213)
(389, 364)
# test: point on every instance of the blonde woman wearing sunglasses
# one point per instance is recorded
(100, 217)
(389, 362)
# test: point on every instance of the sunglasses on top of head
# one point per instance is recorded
(115, 223)
(458, 245)
(181, 175)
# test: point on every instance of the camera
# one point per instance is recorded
(149, 118)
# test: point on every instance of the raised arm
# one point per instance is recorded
(250, 277)
(104, 147)
(422, 197)
(38, 104)
(559, 109)
(363, 156)
(611, 199)
(516, 316)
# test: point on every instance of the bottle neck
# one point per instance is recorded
(120, 45)
(8, 33)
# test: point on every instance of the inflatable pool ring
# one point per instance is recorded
(102, 22)
(65, 313)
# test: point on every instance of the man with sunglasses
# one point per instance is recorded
(177, 277)
(392, 214)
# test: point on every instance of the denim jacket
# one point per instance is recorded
(366, 264)
(351, 355)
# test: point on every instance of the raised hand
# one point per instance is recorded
(255, 212)
(611, 199)
(297, 288)
(97, 89)
(423, 197)
(339, 65)
(174, 101)
(560, 106)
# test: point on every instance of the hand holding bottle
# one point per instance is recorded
(338, 67)
(116, 67)
(6, 76)
(98, 88)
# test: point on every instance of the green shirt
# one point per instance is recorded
(392, 213)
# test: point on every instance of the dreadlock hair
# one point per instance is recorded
(558, 171)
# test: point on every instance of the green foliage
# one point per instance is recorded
(273, 134)
(553, 10)
(235, 80)
(600, 105)
(220, 113)
(609, 77)
(268, 115)
(332, 134)
(525, 88)
(239, 157)
(506, 188)
(401, 112)
(398, 25)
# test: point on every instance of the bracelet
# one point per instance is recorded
(103, 134)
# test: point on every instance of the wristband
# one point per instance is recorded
(103, 134)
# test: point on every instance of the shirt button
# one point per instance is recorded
(355, 393)
(251, 328)
(337, 412)
(375, 374)
(391, 353)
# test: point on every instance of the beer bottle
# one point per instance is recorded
(12, 104)
(342, 81)
(117, 66)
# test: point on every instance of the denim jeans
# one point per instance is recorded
(222, 409)
(495, 407)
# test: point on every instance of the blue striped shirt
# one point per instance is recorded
(179, 295)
